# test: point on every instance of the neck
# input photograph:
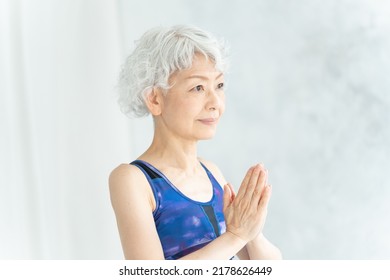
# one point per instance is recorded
(170, 151)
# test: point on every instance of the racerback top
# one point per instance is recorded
(183, 225)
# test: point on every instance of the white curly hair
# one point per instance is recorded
(159, 53)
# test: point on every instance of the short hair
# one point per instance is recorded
(159, 53)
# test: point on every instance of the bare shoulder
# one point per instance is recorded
(214, 169)
(125, 170)
(127, 180)
(133, 203)
(125, 174)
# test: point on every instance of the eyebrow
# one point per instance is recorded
(202, 77)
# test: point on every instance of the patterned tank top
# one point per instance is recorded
(183, 225)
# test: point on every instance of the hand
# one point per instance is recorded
(245, 213)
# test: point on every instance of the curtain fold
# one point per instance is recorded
(59, 63)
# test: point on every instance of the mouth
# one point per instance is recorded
(209, 121)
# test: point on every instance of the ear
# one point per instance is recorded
(154, 101)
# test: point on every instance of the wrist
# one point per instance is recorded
(257, 240)
(236, 239)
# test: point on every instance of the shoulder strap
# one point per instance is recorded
(211, 176)
(146, 169)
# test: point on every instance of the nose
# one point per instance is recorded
(215, 100)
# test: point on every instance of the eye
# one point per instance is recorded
(198, 88)
(220, 85)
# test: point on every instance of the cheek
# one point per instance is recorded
(180, 110)
(223, 104)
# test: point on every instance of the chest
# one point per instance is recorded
(196, 187)
(183, 223)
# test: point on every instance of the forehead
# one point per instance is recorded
(201, 68)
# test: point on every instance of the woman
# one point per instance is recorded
(169, 204)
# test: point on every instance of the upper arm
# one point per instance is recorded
(131, 199)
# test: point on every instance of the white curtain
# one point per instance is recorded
(58, 66)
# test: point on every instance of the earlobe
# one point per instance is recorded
(153, 101)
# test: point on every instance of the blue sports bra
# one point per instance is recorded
(183, 225)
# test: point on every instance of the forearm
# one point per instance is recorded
(261, 249)
(222, 248)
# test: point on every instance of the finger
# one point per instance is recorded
(266, 186)
(258, 190)
(262, 181)
(244, 183)
(265, 198)
(226, 197)
(253, 181)
(266, 177)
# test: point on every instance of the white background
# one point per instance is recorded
(308, 95)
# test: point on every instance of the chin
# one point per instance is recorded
(205, 133)
(207, 136)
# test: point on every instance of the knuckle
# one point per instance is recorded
(256, 192)
(243, 204)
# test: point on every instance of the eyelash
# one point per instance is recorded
(198, 86)
(219, 86)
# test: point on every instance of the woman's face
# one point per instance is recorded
(193, 105)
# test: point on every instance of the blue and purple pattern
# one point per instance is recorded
(183, 225)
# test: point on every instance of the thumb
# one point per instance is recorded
(227, 194)
(233, 194)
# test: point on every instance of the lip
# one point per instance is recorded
(208, 121)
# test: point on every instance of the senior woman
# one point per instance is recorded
(169, 203)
